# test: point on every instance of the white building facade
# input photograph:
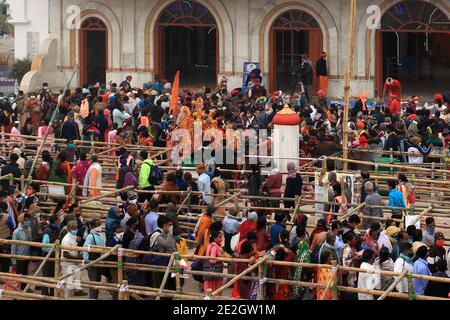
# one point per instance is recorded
(109, 39)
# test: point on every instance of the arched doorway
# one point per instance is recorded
(413, 46)
(93, 51)
(293, 33)
(186, 39)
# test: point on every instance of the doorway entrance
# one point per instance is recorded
(293, 34)
(187, 40)
(413, 46)
(93, 52)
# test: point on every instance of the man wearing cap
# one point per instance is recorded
(70, 129)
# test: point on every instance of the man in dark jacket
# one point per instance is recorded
(13, 168)
(306, 72)
(439, 289)
(70, 129)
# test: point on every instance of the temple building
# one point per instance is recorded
(206, 39)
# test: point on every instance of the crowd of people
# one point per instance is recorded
(127, 115)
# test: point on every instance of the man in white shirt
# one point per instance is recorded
(70, 239)
(204, 183)
(369, 281)
(404, 262)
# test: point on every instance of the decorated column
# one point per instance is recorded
(286, 143)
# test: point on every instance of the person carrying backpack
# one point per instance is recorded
(144, 184)
(149, 176)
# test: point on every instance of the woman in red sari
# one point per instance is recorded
(280, 252)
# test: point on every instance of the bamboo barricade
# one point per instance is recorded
(399, 153)
(107, 194)
(111, 287)
(393, 285)
(101, 258)
(332, 280)
(39, 269)
(357, 209)
(166, 276)
(238, 277)
(390, 165)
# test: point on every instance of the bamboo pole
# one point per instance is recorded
(393, 285)
(177, 272)
(332, 280)
(348, 77)
(56, 291)
(101, 258)
(166, 276)
(185, 200)
(107, 194)
(41, 265)
(426, 211)
(357, 209)
(239, 276)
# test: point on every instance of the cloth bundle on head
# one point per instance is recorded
(17, 151)
(291, 168)
(273, 171)
(417, 245)
(86, 91)
(439, 98)
(168, 86)
(392, 231)
(252, 216)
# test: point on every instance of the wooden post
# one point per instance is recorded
(124, 294)
(391, 160)
(40, 266)
(433, 170)
(119, 264)
(22, 183)
(57, 292)
(261, 283)
(348, 77)
(3, 139)
(177, 272)
(166, 276)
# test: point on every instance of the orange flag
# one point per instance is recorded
(174, 98)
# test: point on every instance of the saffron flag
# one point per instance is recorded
(174, 97)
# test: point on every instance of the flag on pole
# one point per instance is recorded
(174, 97)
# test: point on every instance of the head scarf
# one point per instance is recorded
(291, 168)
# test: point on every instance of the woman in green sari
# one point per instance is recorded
(301, 250)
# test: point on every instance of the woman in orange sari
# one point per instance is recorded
(64, 166)
(202, 230)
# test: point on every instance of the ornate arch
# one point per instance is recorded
(414, 15)
(148, 22)
(108, 17)
(266, 18)
(368, 35)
